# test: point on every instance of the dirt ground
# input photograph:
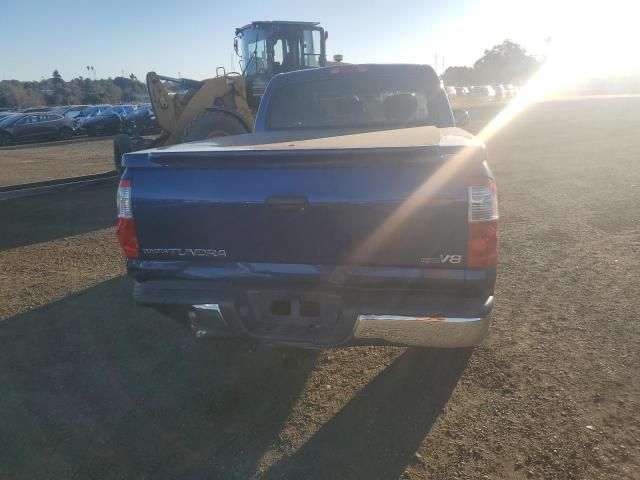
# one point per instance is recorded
(38, 162)
(95, 387)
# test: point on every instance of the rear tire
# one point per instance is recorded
(65, 133)
(212, 124)
(121, 145)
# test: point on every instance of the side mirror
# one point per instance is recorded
(461, 117)
(326, 35)
(235, 46)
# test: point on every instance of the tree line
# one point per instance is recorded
(78, 91)
(507, 62)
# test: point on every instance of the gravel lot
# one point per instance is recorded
(95, 387)
(38, 162)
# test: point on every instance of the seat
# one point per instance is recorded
(400, 107)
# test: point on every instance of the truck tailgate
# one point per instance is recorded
(342, 207)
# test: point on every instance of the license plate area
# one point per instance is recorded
(293, 316)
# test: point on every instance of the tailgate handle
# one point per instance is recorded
(295, 203)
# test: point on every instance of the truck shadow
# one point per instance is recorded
(95, 387)
(376, 435)
(31, 220)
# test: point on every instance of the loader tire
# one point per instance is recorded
(121, 145)
(212, 124)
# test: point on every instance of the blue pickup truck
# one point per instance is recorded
(355, 213)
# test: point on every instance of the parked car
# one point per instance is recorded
(107, 122)
(6, 114)
(484, 92)
(501, 92)
(26, 127)
(71, 111)
(292, 234)
(35, 109)
(511, 90)
(87, 113)
(141, 121)
(451, 92)
(462, 91)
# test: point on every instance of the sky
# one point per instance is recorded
(190, 38)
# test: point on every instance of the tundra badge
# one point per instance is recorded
(185, 252)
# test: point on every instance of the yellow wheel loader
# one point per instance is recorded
(226, 104)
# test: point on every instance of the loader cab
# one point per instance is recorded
(269, 48)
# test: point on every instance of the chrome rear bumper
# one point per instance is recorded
(438, 322)
(437, 332)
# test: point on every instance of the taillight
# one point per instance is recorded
(126, 231)
(482, 246)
